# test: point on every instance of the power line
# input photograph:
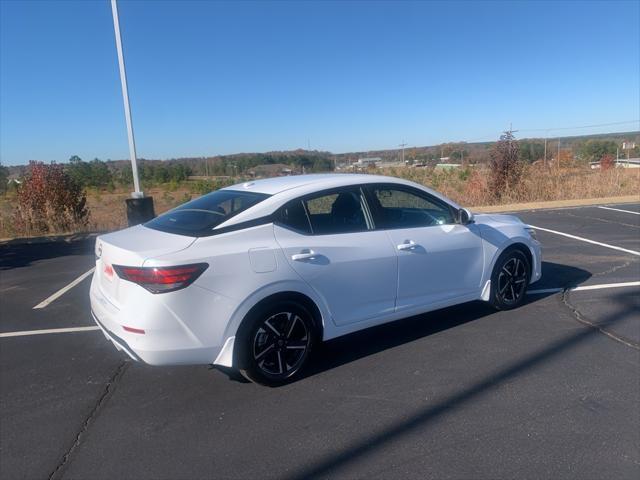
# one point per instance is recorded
(577, 128)
(492, 136)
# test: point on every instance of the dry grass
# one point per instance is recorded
(107, 210)
(468, 187)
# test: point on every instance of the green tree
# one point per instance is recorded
(595, 150)
(4, 178)
(99, 175)
(79, 171)
(459, 155)
(531, 151)
(125, 176)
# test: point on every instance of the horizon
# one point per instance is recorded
(207, 79)
(630, 133)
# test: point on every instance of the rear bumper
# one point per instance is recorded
(165, 341)
(119, 343)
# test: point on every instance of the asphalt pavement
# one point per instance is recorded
(550, 390)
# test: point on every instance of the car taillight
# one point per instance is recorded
(161, 279)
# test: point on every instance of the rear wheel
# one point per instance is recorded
(509, 280)
(275, 344)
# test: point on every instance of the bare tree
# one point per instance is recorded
(506, 168)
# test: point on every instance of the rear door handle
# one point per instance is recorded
(304, 255)
(407, 245)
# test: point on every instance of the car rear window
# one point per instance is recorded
(199, 217)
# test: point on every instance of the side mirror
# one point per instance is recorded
(465, 216)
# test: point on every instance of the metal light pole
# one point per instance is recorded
(125, 97)
(139, 207)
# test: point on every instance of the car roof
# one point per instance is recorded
(283, 189)
(273, 186)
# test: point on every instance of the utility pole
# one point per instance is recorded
(558, 160)
(139, 207)
(402, 145)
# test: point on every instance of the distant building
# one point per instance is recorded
(366, 161)
(621, 163)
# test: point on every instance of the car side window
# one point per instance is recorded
(339, 211)
(294, 216)
(406, 208)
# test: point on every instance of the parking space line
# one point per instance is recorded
(63, 290)
(582, 239)
(530, 292)
(605, 285)
(47, 331)
(585, 287)
(619, 210)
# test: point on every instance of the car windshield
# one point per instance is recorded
(199, 217)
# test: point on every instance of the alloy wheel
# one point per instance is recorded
(280, 344)
(512, 280)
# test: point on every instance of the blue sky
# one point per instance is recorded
(210, 78)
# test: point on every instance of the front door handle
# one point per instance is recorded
(304, 255)
(407, 245)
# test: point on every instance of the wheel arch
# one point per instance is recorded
(288, 295)
(522, 248)
(291, 296)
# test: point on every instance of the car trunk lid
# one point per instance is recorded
(131, 247)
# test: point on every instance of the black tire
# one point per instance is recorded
(275, 343)
(509, 280)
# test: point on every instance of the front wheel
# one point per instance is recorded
(276, 343)
(509, 280)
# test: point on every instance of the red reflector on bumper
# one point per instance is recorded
(133, 330)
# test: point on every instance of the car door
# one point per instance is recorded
(438, 258)
(329, 240)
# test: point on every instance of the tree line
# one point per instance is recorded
(100, 174)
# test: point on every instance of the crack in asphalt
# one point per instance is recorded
(107, 392)
(583, 320)
(615, 268)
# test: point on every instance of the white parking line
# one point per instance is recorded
(50, 330)
(585, 287)
(63, 290)
(620, 210)
(605, 285)
(530, 292)
(582, 239)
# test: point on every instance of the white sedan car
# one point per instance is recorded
(251, 276)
